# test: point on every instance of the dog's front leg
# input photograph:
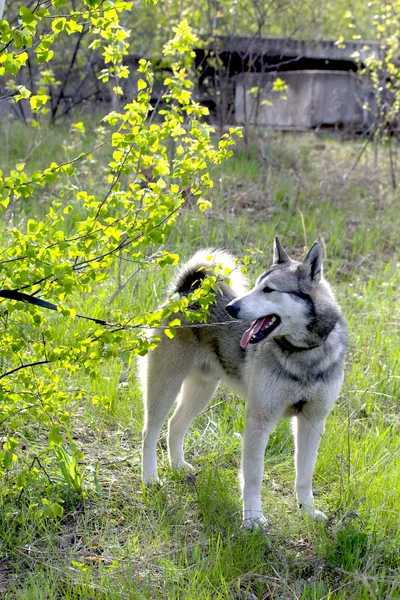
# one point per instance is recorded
(256, 434)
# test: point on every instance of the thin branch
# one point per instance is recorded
(121, 286)
(68, 73)
(39, 362)
(23, 409)
(68, 162)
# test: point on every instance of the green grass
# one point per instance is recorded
(183, 540)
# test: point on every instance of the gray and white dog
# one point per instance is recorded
(288, 363)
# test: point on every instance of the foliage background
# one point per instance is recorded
(95, 214)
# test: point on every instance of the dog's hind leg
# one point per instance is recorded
(162, 379)
(308, 433)
(197, 391)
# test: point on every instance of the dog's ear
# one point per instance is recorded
(310, 272)
(280, 255)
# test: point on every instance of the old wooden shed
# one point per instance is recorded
(325, 89)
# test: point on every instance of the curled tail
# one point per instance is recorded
(190, 275)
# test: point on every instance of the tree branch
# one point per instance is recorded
(39, 362)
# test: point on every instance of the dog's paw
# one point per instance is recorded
(312, 513)
(150, 480)
(258, 522)
(318, 515)
(182, 465)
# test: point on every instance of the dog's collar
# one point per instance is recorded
(287, 346)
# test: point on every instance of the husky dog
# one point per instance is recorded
(283, 350)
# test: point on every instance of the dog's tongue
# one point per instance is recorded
(252, 330)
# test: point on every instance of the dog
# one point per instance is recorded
(282, 347)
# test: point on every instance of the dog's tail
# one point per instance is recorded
(190, 275)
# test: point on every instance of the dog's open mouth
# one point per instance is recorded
(259, 330)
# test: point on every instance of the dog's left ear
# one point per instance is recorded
(310, 272)
(280, 255)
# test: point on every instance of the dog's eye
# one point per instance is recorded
(268, 290)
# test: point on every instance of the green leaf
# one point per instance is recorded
(54, 436)
(51, 509)
(204, 204)
(38, 101)
(170, 332)
(27, 15)
(58, 24)
(279, 85)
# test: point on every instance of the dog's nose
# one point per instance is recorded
(232, 310)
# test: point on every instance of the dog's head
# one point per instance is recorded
(282, 300)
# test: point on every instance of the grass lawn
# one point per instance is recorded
(183, 540)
